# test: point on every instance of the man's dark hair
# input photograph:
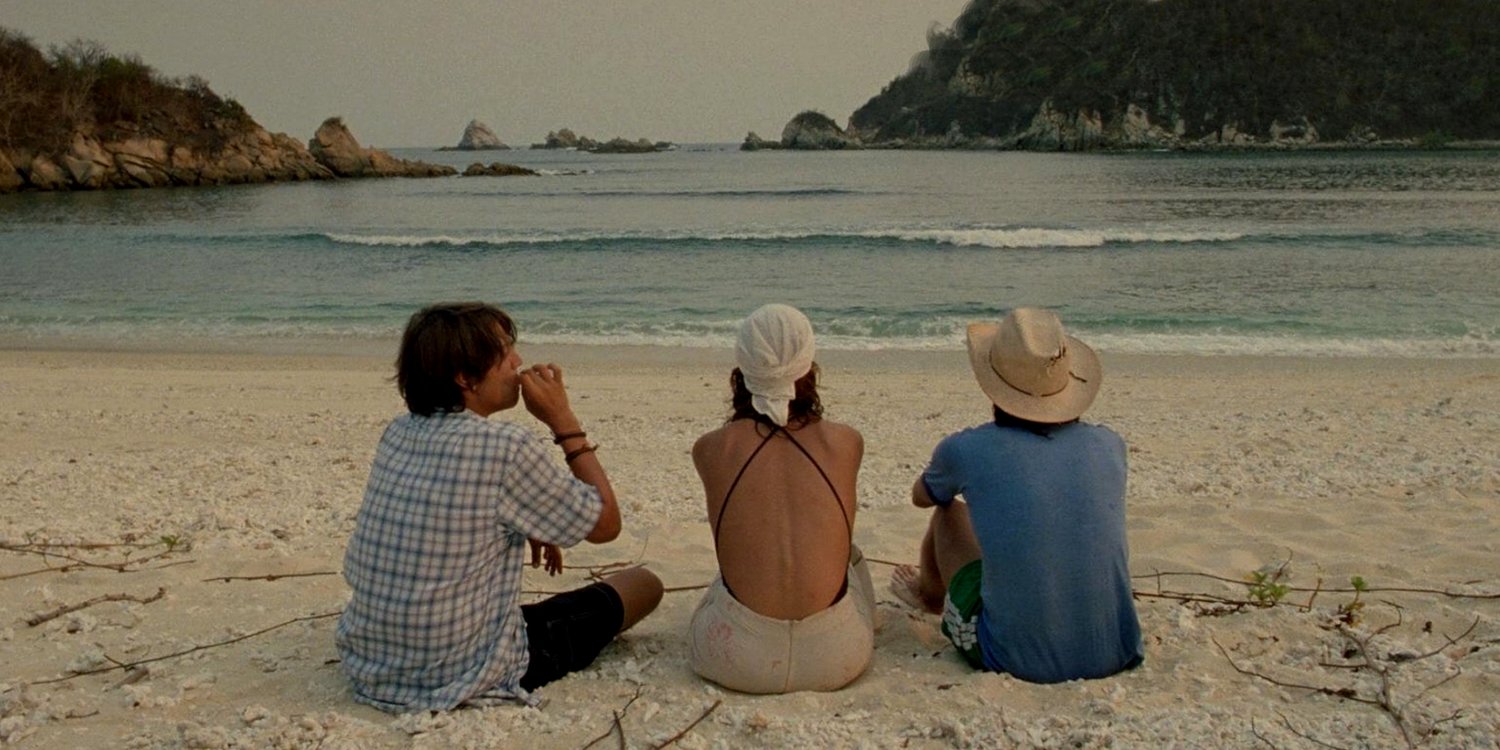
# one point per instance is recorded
(805, 406)
(1043, 429)
(444, 341)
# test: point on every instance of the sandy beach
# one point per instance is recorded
(201, 467)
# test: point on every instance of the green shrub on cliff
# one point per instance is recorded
(1397, 68)
(80, 87)
(812, 119)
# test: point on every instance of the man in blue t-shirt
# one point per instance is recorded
(1030, 571)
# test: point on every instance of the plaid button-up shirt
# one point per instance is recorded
(436, 557)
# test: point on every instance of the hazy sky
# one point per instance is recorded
(414, 73)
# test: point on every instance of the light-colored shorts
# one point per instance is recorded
(744, 650)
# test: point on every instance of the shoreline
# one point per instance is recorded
(385, 347)
(1331, 468)
(1391, 146)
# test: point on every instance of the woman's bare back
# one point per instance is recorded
(783, 539)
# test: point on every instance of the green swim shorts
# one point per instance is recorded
(961, 612)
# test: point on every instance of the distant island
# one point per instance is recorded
(567, 139)
(1085, 74)
(478, 137)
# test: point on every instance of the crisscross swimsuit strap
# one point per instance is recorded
(837, 499)
(735, 483)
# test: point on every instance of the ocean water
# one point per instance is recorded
(1313, 253)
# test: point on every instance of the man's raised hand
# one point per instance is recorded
(551, 554)
(546, 397)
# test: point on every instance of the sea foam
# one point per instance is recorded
(1000, 238)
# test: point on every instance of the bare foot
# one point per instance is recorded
(906, 585)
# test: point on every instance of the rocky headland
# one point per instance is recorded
(87, 120)
(252, 156)
(1069, 75)
(90, 163)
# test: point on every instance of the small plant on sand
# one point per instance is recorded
(171, 541)
(1266, 588)
(1349, 611)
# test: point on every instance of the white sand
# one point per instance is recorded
(1385, 469)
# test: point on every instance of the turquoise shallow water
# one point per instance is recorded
(1384, 254)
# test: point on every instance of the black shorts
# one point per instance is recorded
(567, 631)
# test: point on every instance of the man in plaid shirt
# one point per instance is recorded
(453, 502)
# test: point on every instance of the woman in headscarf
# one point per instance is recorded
(793, 607)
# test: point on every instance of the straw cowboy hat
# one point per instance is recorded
(1033, 370)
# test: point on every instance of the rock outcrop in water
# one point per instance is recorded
(1184, 74)
(811, 130)
(336, 148)
(87, 120)
(753, 142)
(498, 169)
(625, 146)
(567, 139)
(478, 137)
(564, 138)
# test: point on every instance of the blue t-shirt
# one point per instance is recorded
(1049, 513)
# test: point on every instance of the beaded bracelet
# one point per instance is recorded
(576, 452)
(558, 438)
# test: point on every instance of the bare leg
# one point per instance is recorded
(948, 545)
(640, 591)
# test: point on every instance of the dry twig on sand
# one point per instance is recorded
(272, 576)
(1320, 589)
(596, 572)
(38, 619)
(1383, 697)
(71, 568)
(128, 665)
(615, 727)
(665, 590)
(689, 727)
(1294, 730)
(73, 562)
(82, 545)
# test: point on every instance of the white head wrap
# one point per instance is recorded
(775, 348)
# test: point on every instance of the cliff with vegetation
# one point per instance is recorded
(79, 118)
(1078, 74)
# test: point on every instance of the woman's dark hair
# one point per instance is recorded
(805, 406)
(444, 341)
(1043, 429)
